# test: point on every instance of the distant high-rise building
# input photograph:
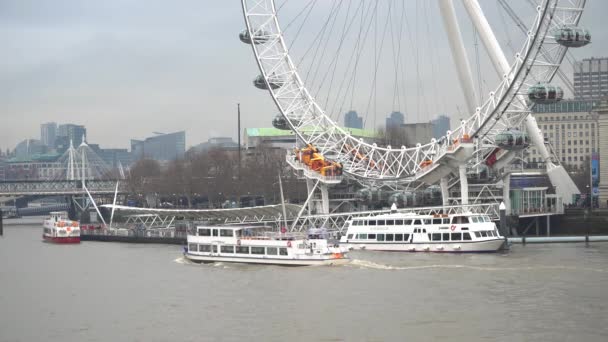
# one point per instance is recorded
(161, 147)
(395, 119)
(71, 132)
(440, 126)
(48, 132)
(591, 78)
(353, 120)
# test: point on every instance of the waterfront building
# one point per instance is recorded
(221, 143)
(162, 147)
(70, 132)
(2, 169)
(285, 139)
(591, 78)
(35, 167)
(602, 111)
(571, 128)
(395, 119)
(48, 132)
(440, 126)
(353, 120)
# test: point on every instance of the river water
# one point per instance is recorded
(99, 291)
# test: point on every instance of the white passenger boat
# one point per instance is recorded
(256, 246)
(57, 228)
(409, 232)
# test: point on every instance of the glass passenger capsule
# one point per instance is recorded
(260, 37)
(274, 82)
(572, 36)
(279, 122)
(545, 93)
(512, 139)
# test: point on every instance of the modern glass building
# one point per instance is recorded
(162, 147)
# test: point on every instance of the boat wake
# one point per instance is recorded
(372, 265)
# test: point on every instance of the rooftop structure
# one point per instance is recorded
(162, 147)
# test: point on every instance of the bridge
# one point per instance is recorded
(58, 187)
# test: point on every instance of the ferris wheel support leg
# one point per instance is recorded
(310, 186)
(459, 54)
(464, 184)
(445, 193)
(324, 199)
(506, 188)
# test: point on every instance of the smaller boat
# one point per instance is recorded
(59, 229)
(254, 245)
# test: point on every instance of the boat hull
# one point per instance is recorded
(486, 246)
(61, 240)
(265, 261)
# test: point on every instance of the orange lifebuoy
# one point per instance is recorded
(288, 243)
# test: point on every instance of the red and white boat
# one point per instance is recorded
(59, 229)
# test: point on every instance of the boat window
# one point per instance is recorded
(379, 237)
(407, 222)
(381, 222)
(282, 251)
(446, 220)
(204, 248)
(226, 232)
(371, 223)
(192, 247)
(477, 234)
(389, 237)
(215, 232)
(466, 236)
(486, 218)
(398, 222)
(483, 234)
(242, 249)
(456, 236)
(427, 221)
(356, 223)
(437, 221)
(460, 219)
(406, 237)
(257, 250)
(390, 222)
(350, 236)
(424, 230)
(417, 222)
(362, 236)
(492, 233)
(464, 228)
(204, 232)
(371, 236)
(271, 250)
(446, 236)
(473, 219)
(214, 248)
(398, 237)
(436, 236)
(227, 249)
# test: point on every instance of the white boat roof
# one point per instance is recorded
(267, 212)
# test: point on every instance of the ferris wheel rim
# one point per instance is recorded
(516, 69)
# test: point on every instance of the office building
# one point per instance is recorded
(395, 119)
(162, 147)
(353, 120)
(602, 112)
(440, 126)
(571, 128)
(591, 78)
(48, 132)
(70, 132)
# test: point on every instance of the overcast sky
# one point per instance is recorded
(127, 68)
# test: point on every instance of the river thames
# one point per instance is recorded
(99, 291)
